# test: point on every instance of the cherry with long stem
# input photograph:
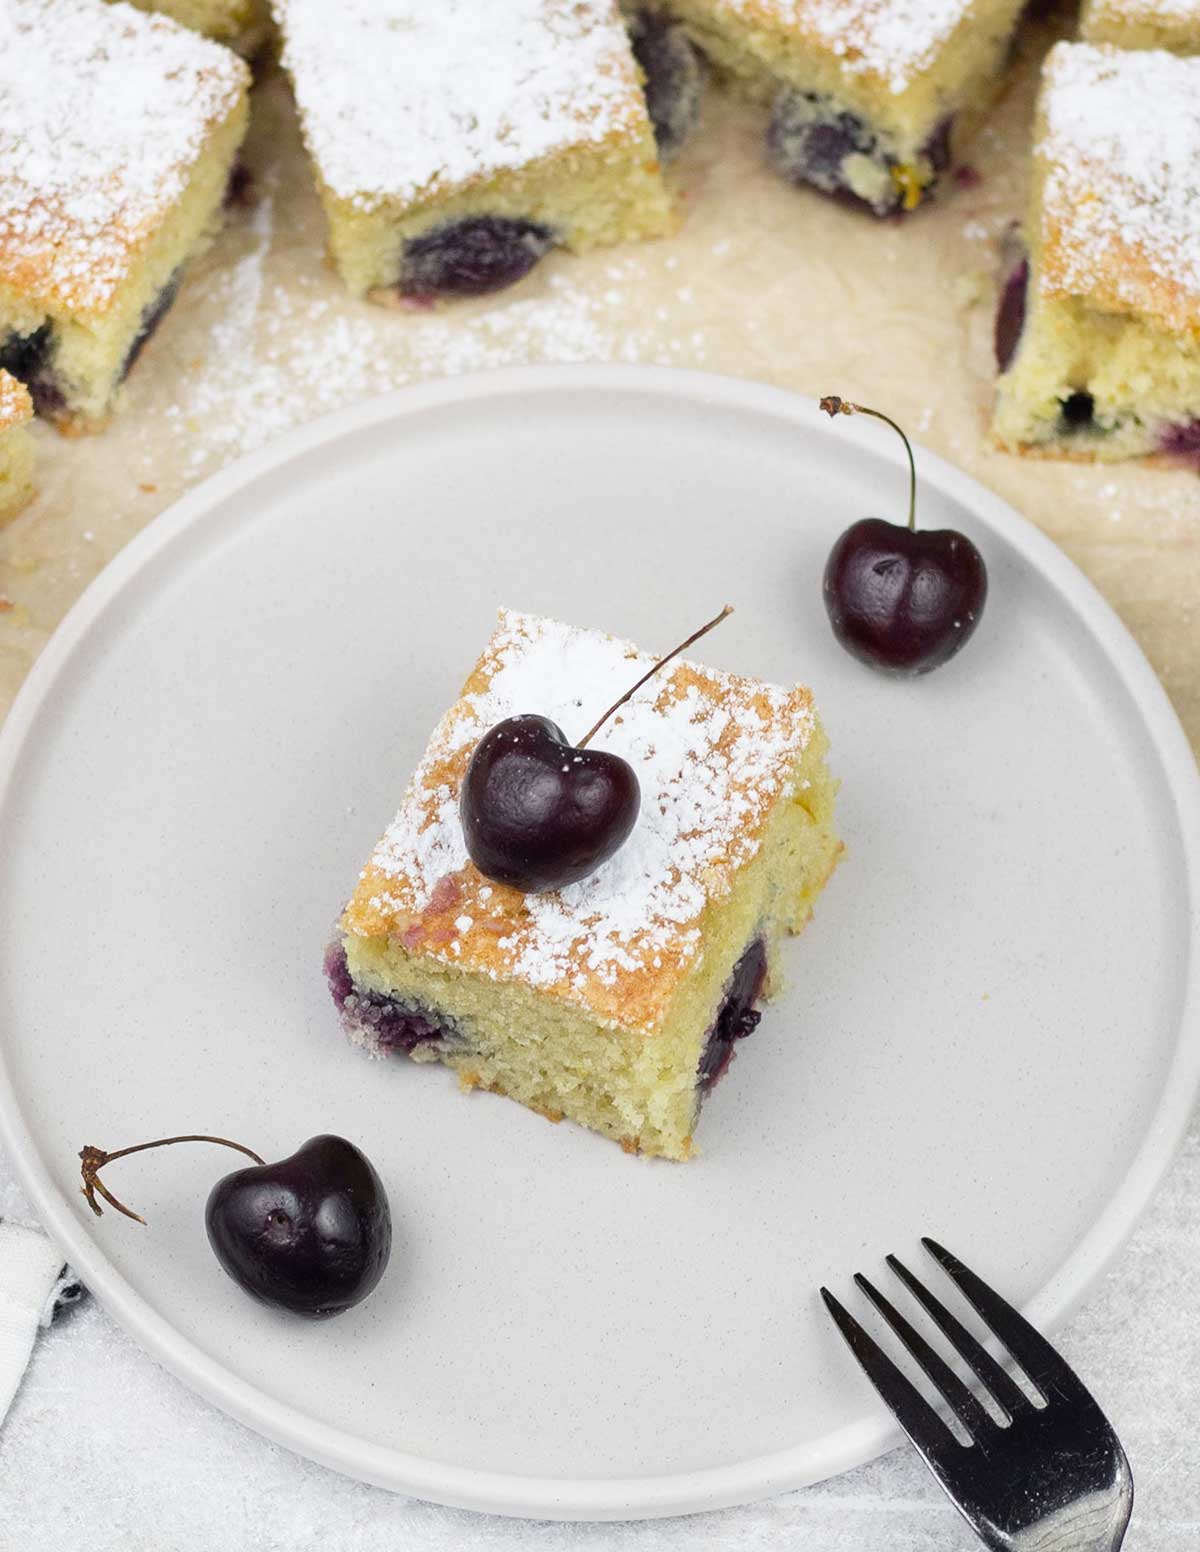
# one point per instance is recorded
(650, 673)
(832, 404)
(94, 1159)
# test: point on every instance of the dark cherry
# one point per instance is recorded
(154, 314)
(1078, 410)
(1010, 315)
(737, 1016)
(311, 1234)
(1183, 442)
(674, 78)
(472, 257)
(901, 599)
(539, 813)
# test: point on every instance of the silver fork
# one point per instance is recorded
(1054, 1478)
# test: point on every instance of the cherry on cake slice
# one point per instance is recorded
(1098, 328)
(871, 100)
(243, 25)
(118, 131)
(16, 447)
(617, 1000)
(455, 143)
(1143, 24)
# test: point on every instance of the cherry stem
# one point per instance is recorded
(832, 405)
(94, 1160)
(650, 673)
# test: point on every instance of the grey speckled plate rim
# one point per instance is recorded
(648, 1496)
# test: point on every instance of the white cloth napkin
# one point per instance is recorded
(31, 1277)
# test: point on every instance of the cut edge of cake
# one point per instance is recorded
(1098, 327)
(99, 221)
(568, 157)
(16, 447)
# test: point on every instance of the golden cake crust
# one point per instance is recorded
(887, 43)
(714, 753)
(16, 407)
(104, 110)
(1117, 145)
(471, 90)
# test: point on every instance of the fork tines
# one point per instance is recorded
(1047, 1371)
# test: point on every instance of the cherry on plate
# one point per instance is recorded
(901, 599)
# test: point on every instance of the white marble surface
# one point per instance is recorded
(105, 1451)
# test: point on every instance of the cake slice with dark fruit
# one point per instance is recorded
(616, 999)
(456, 143)
(871, 100)
(16, 447)
(1098, 327)
(118, 131)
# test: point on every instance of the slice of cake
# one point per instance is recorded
(117, 134)
(455, 143)
(1098, 333)
(243, 25)
(617, 1000)
(871, 100)
(1143, 24)
(16, 447)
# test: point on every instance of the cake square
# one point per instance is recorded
(117, 134)
(16, 447)
(1143, 24)
(455, 143)
(870, 99)
(616, 1001)
(244, 25)
(1098, 333)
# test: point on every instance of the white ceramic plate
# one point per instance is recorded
(982, 1039)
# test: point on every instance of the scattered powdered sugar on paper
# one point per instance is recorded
(408, 98)
(103, 114)
(712, 752)
(894, 40)
(1122, 144)
(281, 351)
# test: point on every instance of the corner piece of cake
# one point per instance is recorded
(16, 447)
(1098, 329)
(118, 131)
(871, 100)
(242, 25)
(617, 1000)
(1143, 24)
(455, 142)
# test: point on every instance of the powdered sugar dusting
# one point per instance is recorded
(895, 40)
(1122, 147)
(408, 98)
(712, 751)
(15, 405)
(103, 113)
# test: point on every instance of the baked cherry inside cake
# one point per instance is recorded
(16, 447)
(870, 99)
(118, 131)
(1098, 328)
(618, 1000)
(456, 143)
